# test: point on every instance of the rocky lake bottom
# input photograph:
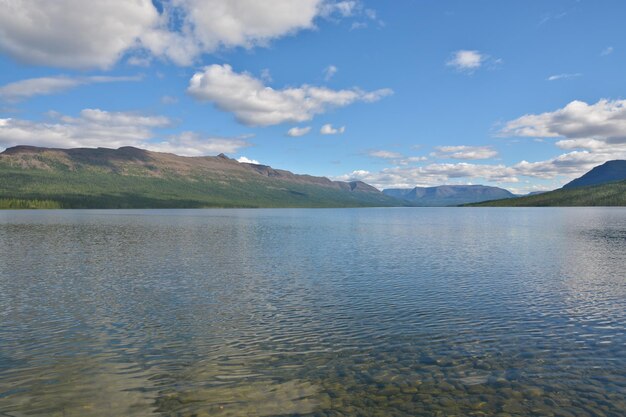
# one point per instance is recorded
(346, 312)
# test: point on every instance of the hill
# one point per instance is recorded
(610, 171)
(611, 194)
(448, 195)
(32, 177)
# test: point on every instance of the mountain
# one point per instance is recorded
(611, 194)
(135, 178)
(610, 171)
(448, 195)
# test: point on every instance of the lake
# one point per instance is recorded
(322, 312)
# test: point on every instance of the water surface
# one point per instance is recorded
(373, 312)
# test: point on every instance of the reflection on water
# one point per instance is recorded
(467, 312)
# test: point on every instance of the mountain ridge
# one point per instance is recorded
(133, 177)
(609, 171)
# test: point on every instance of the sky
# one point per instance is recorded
(525, 95)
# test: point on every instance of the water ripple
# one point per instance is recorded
(313, 312)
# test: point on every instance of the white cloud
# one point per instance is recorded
(98, 128)
(563, 76)
(385, 154)
(211, 24)
(395, 157)
(562, 168)
(24, 89)
(295, 132)
(465, 152)
(571, 164)
(604, 121)
(329, 72)
(254, 104)
(92, 128)
(105, 118)
(245, 160)
(593, 134)
(344, 8)
(328, 129)
(97, 33)
(411, 159)
(73, 33)
(139, 61)
(433, 174)
(464, 60)
(607, 51)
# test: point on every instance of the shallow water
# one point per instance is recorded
(373, 312)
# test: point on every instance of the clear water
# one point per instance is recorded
(372, 312)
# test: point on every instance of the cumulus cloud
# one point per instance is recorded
(23, 89)
(208, 25)
(45, 32)
(99, 128)
(385, 154)
(468, 61)
(567, 166)
(602, 122)
(295, 132)
(329, 72)
(432, 174)
(139, 61)
(73, 33)
(410, 159)
(563, 76)
(97, 117)
(593, 133)
(328, 129)
(395, 157)
(254, 104)
(245, 160)
(464, 60)
(92, 128)
(465, 152)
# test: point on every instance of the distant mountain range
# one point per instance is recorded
(448, 195)
(33, 177)
(135, 178)
(604, 185)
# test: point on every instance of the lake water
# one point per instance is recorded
(372, 312)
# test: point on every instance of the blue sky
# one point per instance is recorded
(521, 94)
